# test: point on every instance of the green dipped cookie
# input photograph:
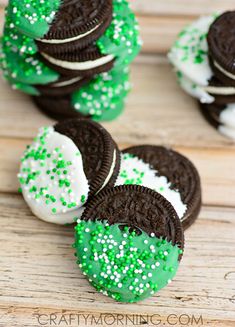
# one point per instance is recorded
(118, 46)
(24, 68)
(15, 41)
(129, 242)
(103, 99)
(33, 17)
(121, 39)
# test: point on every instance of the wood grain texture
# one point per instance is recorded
(38, 274)
(41, 272)
(181, 7)
(169, 117)
(157, 33)
(216, 186)
(175, 7)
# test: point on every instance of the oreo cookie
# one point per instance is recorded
(101, 157)
(222, 117)
(214, 92)
(65, 85)
(221, 47)
(60, 109)
(76, 25)
(129, 242)
(102, 99)
(65, 166)
(166, 172)
(190, 57)
(86, 62)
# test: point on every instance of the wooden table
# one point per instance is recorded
(38, 274)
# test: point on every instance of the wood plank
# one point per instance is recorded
(175, 7)
(40, 275)
(181, 7)
(158, 111)
(216, 186)
(158, 33)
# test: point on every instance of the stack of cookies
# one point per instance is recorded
(131, 207)
(204, 60)
(72, 56)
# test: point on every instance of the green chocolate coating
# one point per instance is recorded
(22, 67)
(16, 41)
(33, 17)
(121, 264)
(121, 39)
(103, 98)
(26, 88)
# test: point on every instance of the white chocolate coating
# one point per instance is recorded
(189, 54)
(59, 187)
(136, 171)
(227, 116)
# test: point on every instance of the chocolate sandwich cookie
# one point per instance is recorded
(101, 157)
(214, 92)
(221, 93)
(102, 99)
(65, 166)
(86, 62)
(129, 242)
(65, 85)
(189, 56)
(221, 47)
(222, 117)
(189, 53)
(76, 25)
(166, 172)
(60, 109)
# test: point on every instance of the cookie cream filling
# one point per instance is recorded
(71, 39)
(52, 177)
(225, 72)
(69, 82)
(79, 65)
(221, 90)
(136, 171)
(227, 116)
(194, 90)
(110, 174)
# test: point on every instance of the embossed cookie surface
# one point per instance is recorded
(166, 172)
(129, 242)
(101, 156)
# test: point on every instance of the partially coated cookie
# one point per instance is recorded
(76, 25)
(221, 46)
(86, 62)
(129, 242)
(221, 117)
(63, 86)
(102, 99)
(101, 157)
(168, 173)
(65, 166)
